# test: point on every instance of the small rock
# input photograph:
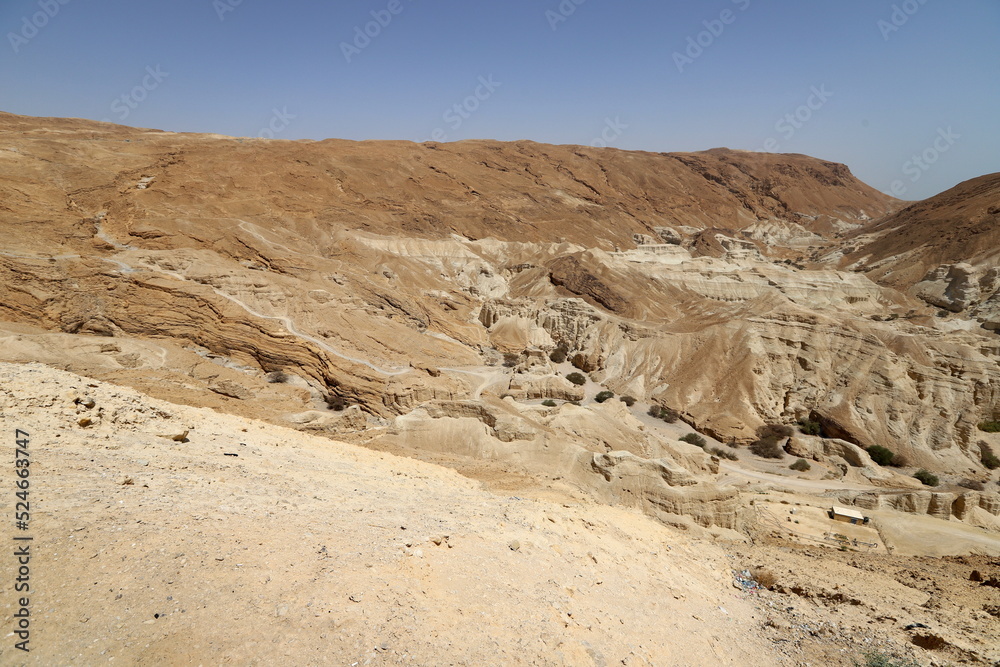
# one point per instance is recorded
(176, 437)
(126, 481)
(515, 545)
(87, 402)
(85, 421)
(975, 576)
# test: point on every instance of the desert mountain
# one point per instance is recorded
(945, 251)
(483, 306)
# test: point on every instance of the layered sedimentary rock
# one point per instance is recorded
(390, 276)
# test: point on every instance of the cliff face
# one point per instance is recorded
(390, 275)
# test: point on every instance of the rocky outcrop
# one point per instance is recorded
(941, 505)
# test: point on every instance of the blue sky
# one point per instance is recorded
(907, 93)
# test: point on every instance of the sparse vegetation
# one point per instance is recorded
(723, 454)
(764, 578)
(926, 478)
(881, 455)
(880, 659)
(510, 359)
(666, 414)
(801, 465)
(604, 396)
(767, 448)
(628, 400)
(277, 377)
(810, 427)
(559, 355)
(990, 460)
(549, 403)
(769, 436)
(972, 484)
(337, 403)
(776, 431)
(694, 439)
(579, 379)
(991, 426)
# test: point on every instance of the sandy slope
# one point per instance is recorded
(306, 551)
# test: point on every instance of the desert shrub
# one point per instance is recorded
(767, 448)
(337, 403)
(604, 396)
(579, 379)
(276, 377)
(990, 460)
(768, 437)
(881, 455)
(991, 426)
(972, 484)
(723, 454)
(926, 478)
(628, 400)
(801, 465)
(764, 578)
(549, 403)
(879, 659)
(510, 359)
(810, 427)
(559, 355)
(694, 439)
(775, 431)
(576, 403)
(666, 414)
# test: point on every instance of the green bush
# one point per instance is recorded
(628, 400)
(604, 396)
(810, 428)
(768, 448)
(990, 460)
(695, 439)
(559, 355)
(801, 465)
(666, 414)
(549, 403)
(881, 455)
(992, 426)
(579, 379)
(926, 478)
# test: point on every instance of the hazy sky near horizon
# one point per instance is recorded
(907, 93)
